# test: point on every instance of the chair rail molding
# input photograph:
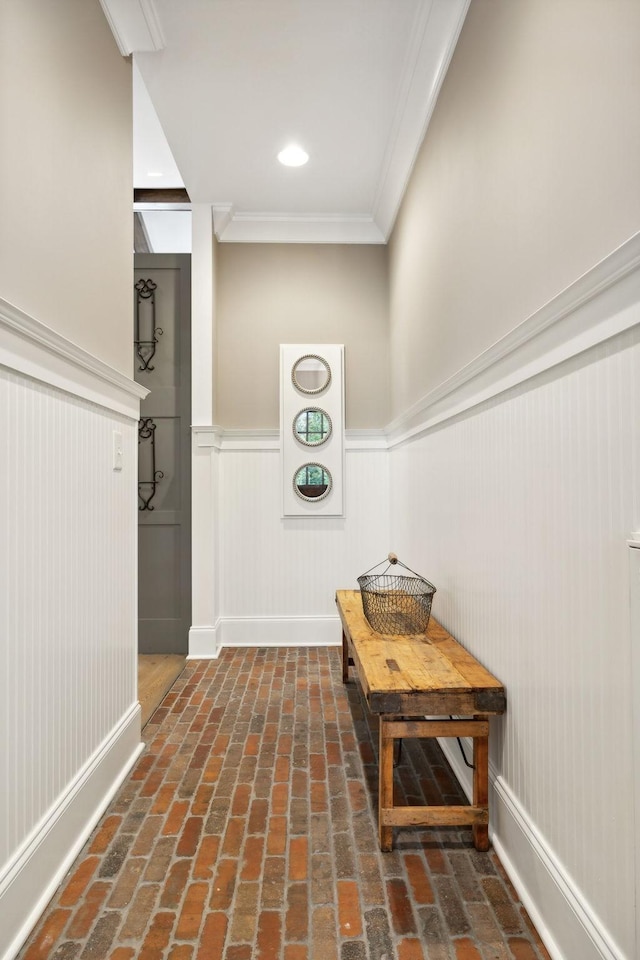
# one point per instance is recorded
(33, 349)
(599, 305)
(226, 440)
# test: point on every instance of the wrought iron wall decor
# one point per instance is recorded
(147, 488)
(145, 349)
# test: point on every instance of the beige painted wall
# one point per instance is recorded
(66, 226)
(527, 177)
(268, 294)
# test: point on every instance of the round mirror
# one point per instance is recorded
(312, 481)
(311, 374)
(312, 426)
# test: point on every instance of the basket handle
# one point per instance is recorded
(392, 558)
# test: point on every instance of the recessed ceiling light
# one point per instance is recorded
(293, 156)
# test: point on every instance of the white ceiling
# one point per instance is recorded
(231, 82)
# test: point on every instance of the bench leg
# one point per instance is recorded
(481, 787)
(345, 658)
(385, 785)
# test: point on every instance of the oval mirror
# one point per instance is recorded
(312, 481)
(312, 426)
(311, 374)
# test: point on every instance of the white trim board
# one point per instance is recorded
(569, 928)
(30, 348)
(30, 878)
(601, 304)
(204, 642)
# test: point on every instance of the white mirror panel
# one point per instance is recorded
(310, 487)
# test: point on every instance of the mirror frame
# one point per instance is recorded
(312, 443)
(316, 390)
(323, 496)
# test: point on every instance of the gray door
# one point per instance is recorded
(162, 298)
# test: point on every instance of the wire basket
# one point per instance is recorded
(394, 603)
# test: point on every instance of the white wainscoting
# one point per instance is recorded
(278, 577)
(516, 500)
(68, 608)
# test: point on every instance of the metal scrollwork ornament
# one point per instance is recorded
(147, 488)
(146, 348)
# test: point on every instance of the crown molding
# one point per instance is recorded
(135, 25)
(435, 32)
(435, 36)
(152, 21)
(222, 217)
(236, 227)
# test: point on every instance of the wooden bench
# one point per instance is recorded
(406, 679)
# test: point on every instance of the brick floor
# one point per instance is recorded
(247, 831)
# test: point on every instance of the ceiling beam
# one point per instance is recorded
(166, 195)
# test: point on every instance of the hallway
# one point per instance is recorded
(247, 830)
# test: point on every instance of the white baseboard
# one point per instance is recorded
(30, 878)
(204, 642)
(280, 631)
(568, 926)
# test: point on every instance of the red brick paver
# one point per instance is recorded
(247, 831)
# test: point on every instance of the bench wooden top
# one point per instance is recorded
(418, 675)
